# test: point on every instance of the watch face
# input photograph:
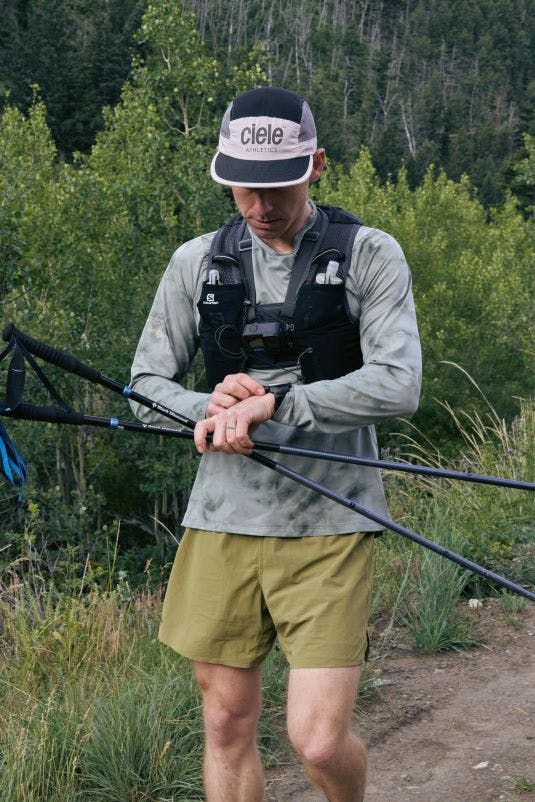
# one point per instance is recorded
(279, 391)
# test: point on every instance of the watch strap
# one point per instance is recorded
(279, 391)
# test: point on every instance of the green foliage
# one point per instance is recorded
(512, 606)
(27, 173)
(450, 84)
(498, 526)
(524, 786)
(524, 181)
(473, 284)
(96, 709)
(444, 83)
(489, 525)
(77, 52)
(83, 247)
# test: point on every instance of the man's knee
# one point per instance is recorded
(225, 726)
(231, 706)
(319, 748)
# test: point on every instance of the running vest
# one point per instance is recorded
(310, 329)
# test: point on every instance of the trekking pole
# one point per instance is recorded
(73, 365)
(53, 415)
(72, 418)
(404, 467)
(393, 526)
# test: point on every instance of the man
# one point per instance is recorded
(307, 326)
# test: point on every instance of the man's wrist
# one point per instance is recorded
(279, 391)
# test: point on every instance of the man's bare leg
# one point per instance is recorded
(320, 706)
(231, 708)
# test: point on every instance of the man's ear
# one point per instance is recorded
(318, 165)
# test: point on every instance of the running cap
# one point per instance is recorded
(267, 139)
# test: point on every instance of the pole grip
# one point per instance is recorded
(15, 381)
(47, 414)
(73, 365)
(52, 355)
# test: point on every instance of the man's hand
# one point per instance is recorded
(230, 429)
(234, 388)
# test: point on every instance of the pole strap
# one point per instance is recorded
(12, 465)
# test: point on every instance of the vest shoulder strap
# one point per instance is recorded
(339, 238)
(223, 254)
(331, 237)
(338, 215)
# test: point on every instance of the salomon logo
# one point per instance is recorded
(210, 299)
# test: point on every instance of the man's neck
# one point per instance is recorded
(288, 243)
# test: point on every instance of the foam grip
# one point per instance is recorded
(8, 332)
(52, 355)
(47, 414)
(15, 380)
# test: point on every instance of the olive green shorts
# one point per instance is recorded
(230, 596)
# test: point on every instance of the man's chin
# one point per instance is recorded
(266, 230)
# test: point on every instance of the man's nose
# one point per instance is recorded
(263, 204)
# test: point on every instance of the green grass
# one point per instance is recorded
(524, 786)
(94, 708)
(512, 607)
(490, 525)
(120, 741)
(431, 613)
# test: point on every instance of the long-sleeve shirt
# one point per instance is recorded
(233, 494)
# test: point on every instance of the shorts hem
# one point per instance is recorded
(217, 661)
(349, 662)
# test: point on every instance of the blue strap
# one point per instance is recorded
(127, 392)
(12, 464)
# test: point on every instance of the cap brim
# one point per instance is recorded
(244, 173)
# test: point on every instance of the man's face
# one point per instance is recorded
(276, 215)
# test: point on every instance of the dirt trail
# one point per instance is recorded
(451, 727)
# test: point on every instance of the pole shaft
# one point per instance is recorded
(394, 527)
(404, 467)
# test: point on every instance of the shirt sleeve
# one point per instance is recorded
(379, 296)
(169, 339)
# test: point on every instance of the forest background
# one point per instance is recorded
(110, 113)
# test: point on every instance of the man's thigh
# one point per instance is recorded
(231, 699)
(321, 701)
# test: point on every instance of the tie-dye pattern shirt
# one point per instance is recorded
(233, 494)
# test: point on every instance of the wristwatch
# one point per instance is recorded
(279, 391)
